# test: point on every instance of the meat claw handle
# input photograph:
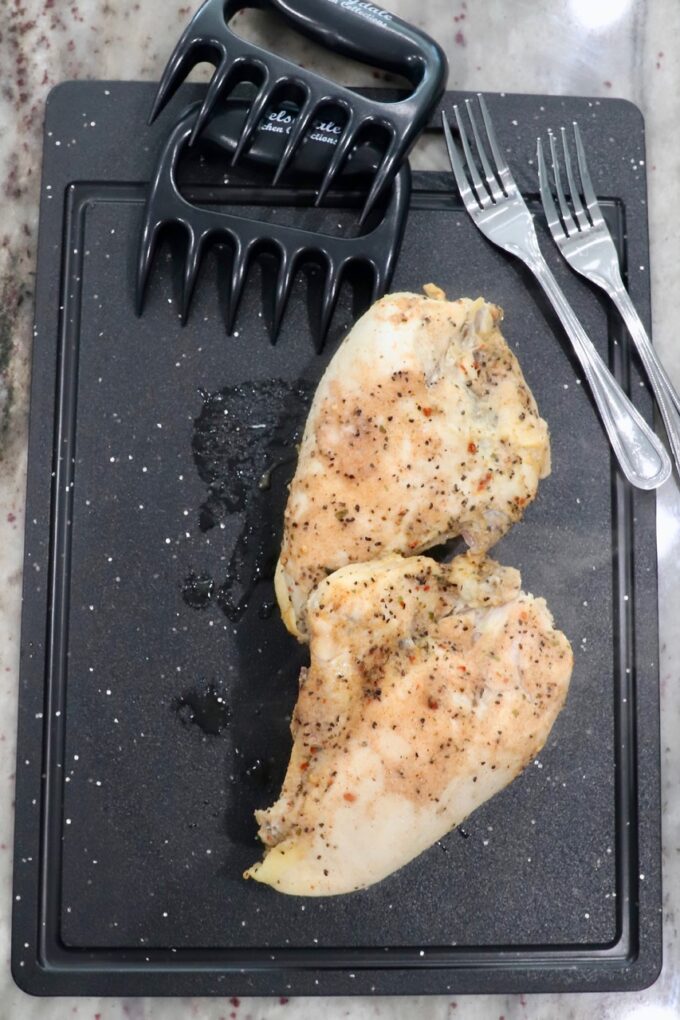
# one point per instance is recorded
(356, 29)
(375, 250)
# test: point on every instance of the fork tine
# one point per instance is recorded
(477, 183)
(574, 192)
(549, 207)
(502, 167)
(567, 219)
(464, 188)
(486, 166)
(588, 191)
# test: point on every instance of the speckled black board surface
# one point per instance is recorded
(132, 824)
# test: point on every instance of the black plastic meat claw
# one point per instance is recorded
(354, 28)
(166, 206)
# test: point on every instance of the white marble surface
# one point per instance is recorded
(623, 48)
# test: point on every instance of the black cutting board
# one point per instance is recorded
(134, 823)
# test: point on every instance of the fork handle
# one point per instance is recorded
(667, 396)
(640, 453)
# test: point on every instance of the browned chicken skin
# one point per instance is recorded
(431, 686)
(422, 429)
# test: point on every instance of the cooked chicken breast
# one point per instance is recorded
(422, 429)
(431, 687)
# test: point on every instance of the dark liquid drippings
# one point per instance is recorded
(197, 590)
(205, 708)
(244, 438)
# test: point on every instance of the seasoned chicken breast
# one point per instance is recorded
(422, 429)
(431, 686)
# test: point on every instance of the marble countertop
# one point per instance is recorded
(627, 48)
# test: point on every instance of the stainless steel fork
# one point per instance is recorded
(584, 239)
(499, 211)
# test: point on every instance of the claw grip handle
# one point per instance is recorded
(365, 32)
(355, 28)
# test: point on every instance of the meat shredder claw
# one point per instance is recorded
(354, 28)
(166, 206)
